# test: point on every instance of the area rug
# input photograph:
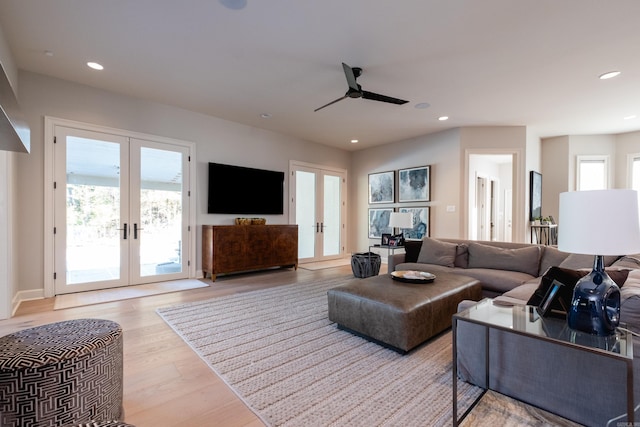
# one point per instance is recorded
(279, 352)
(321, 265)
(116, 294)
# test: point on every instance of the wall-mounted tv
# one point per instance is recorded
(242, 190)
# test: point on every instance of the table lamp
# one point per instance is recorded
(598, 222)
(401, 220)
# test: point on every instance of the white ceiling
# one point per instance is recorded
(481, 62)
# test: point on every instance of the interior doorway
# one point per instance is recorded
(490, 212)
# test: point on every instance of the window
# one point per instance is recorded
(634, 171)
(593, 172)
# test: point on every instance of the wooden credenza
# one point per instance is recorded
(235, 248)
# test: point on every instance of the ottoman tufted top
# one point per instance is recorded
(56, 342)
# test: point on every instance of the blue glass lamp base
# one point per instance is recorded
(595, 307)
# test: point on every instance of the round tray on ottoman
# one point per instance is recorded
(62, 373)
(411, 276)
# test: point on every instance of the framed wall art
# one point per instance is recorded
(420, 223)
(414, 184)
(381, 187)
(379, 222)
(535, 195)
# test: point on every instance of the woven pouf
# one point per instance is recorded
(62, 373)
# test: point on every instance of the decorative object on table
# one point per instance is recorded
(379, 222)
(411, 276)
(598, 222)
(535, 195)
(420, 223)
(243, 221)
(385, 239)
(258, 221)
(365, 264)
(396, 240)
(414, 184)
(381, 187)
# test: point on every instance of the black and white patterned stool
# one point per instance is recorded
(62, 373)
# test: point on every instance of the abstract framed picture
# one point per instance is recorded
(414, 184)
(379, 222)
(421, 227)
(535, 195)
(381, 187)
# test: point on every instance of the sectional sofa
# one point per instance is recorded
(578, 387)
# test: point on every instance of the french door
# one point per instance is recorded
(121, 210)
(318, 206)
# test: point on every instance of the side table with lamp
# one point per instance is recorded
(579, 366)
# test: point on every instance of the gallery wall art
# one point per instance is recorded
(420, 228)
(381, 187)
(413, 184)
(379, 222)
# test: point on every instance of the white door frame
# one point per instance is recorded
(518, 205)
(49, 160)
(343, 205)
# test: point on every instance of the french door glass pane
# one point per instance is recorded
(160, 230)
(331, 234)
(92, 211)
(306, 213)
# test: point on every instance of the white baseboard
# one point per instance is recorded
(25, 296)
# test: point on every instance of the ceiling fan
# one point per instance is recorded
(355, 90)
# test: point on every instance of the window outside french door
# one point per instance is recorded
(121, 210)
(318, 207)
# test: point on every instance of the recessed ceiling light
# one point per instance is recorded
(354, 141)
(48, 53)
(422, 105)
(609, 75)
(95, 66)
(265, 115)
(443, 118)
(234, 4)
(631, 117)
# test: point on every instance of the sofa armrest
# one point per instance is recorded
(393, 260)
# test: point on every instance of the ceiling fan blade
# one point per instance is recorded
(377, 97)
(351, 77)
(332, 102)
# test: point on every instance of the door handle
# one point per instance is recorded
(125, 231)
(322, 227)
(135, 230)
(317, 227)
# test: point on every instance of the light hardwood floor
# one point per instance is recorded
(165, 382)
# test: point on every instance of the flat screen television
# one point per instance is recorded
(242, 190)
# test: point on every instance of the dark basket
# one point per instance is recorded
(365, 264)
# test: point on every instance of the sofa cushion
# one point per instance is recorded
(578, 261)
(525, 260)
(630, 262)
(552, 257)
(437, 252)
(498, 281)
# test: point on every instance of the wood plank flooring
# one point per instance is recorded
(165, 382)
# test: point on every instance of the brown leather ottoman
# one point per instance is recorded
(396, 314)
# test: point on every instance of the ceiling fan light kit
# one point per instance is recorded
(355, 90)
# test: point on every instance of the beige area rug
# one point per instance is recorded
(116, 294)
(279, 352)
(320, 265)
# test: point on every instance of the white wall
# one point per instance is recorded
(216, 140)
(555, 172)
(626, 144)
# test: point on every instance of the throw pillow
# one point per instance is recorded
(631, 262)
(577, 261)
(525, 260)
(412, 250)
(436, 252)
(568, 278)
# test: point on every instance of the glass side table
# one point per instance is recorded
(524, 320)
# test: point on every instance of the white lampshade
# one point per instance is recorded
(599, 222)
(401, 220)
